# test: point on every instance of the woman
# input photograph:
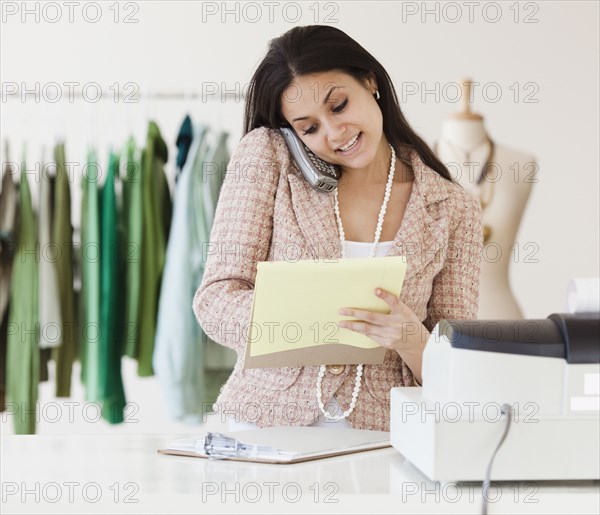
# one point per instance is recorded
(394, 197)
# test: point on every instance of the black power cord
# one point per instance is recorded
(505, 410)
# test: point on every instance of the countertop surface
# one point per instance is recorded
(126, 474)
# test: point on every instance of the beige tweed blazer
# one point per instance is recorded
(268, 212)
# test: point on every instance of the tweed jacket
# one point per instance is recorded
(268, 212)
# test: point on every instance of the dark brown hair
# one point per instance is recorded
(320, 48)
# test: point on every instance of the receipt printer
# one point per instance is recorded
(547, 371)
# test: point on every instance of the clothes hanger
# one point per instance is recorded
(188, 97)
(5, 156)
(92, 138)
(149, 104)
(60, 128)
(128, 124)
(219, 127)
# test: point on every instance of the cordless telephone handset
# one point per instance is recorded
(321, 175)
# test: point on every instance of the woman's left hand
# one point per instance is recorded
(395, 330)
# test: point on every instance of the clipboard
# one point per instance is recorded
(294, 314)
(288, 444)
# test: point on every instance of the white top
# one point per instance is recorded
(360, 249)
(353, 249)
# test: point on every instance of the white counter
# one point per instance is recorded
(126, 474)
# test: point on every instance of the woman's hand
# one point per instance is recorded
(393, 330)
(400, 330)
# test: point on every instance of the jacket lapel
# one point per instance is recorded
(316, 217)
(420, 236)
(424, 228)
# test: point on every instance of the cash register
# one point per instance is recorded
(525, 392)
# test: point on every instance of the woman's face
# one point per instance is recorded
(328, 110)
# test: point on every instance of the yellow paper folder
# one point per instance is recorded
(295, 310)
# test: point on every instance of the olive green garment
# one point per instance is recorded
(62, 235)
(132, 219)
(90, 279)
(23, 353)
(9, 202)
(112, 392)
(156, 209)
(3, 344)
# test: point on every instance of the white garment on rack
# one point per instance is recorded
(353, 249)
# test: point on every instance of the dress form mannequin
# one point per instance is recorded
(503, 187)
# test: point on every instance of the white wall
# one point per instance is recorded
(554, 56)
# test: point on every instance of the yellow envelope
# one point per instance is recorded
(295, 310)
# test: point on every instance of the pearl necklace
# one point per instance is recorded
(359, 368)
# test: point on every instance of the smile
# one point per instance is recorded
(351, 144)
